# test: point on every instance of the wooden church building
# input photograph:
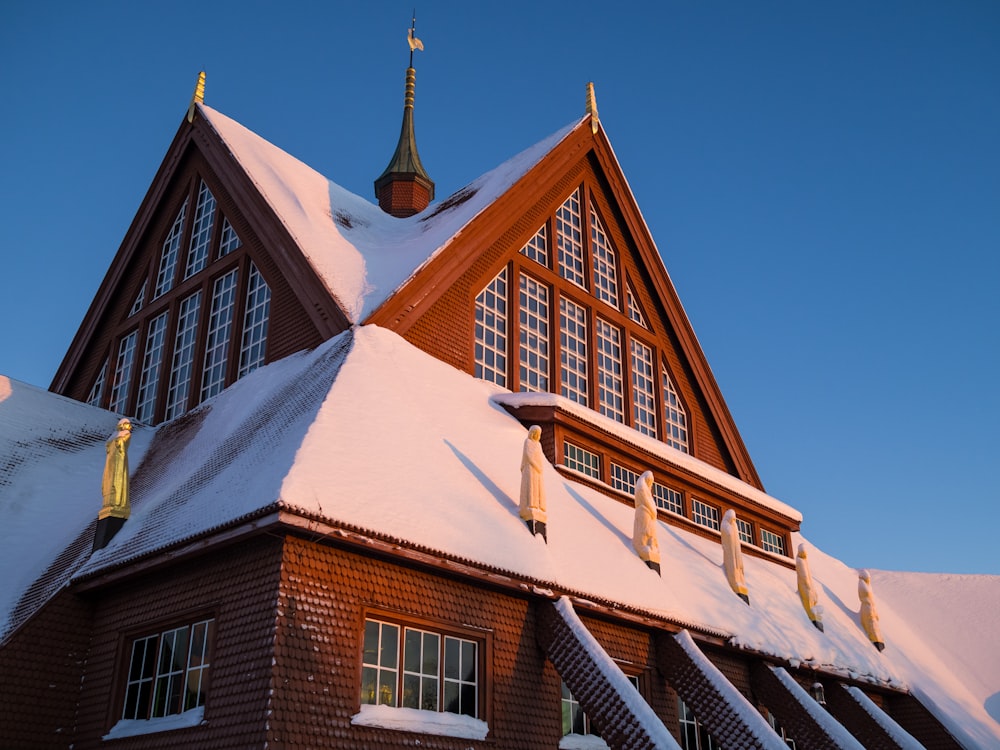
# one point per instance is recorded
(322, 544)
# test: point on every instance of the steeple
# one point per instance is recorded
(404, 188)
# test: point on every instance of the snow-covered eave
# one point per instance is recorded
(672, 456)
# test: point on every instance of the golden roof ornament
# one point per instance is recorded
(595, 120)
(198, 97)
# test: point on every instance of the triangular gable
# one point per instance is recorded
(435, 307)
(204, 262)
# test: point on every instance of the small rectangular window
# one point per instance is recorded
(412, 667)
(623, 479)
(745, 530)
(704, 514)
(167, 671)
(771, 542)
(581, 460)
(668, 498)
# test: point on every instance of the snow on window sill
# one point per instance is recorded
(582, 742)
(134, 727)
(425, 722)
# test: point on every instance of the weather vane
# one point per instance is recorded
(411, 38)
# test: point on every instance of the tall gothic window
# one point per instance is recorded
(168, 257)
(258, 313)
(573, 350)
(201, 235)
(674, 416)
(643, 389)
(569, 230)
(534, 321)
(220, 324)
(149, 377)
(611, 387)
(123, 373)
(184, 341)
(491, 331)
(605, 265)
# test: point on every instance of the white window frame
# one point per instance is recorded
(537, 248)
(230, 240)
(581, 460)
(181, 369)
(255, 323)
(623, 479)
(569, 239)
(168, 257)
(772, 542)
(643, 388)
(491, 331)
(610, 379)
(123, 373)
(220, 328)
(745, 530)
(201, 233)
(533, 334)
(152, 359)
(668, 499)
(605, 263)
(573, 351)
(675, 421)
(704, 514)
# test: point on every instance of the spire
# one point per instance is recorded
(198, 97)
(595, 120)
(404, 188)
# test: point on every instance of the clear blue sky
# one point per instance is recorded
(822, 180)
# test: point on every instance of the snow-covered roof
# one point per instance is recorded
(360, 252)
(425, 456)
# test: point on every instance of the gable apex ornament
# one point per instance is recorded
(198, 97)
(595, 120)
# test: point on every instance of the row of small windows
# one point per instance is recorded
(666, 498)
(167, 365)
(644, 396)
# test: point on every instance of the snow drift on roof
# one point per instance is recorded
(360, 252)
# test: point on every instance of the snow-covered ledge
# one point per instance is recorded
(582, 742)
(135, 727)
(426, 722)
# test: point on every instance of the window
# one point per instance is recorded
(569, 234)
(745, 530)
(201, 235)
(693, 735)
(168, 671)
(674, 416)
(534, 319)
(573, 350)
(229, 241)
(537, 248)
(123, 373)
(139, 299)
(668, 499)
(422, 669)
(150, 375)
(605, 266)
(168, 257)
(610, 385)
(771, 542)
(780, 730)
(574, 718)
(623, 479)
(634, 311)
(97, 391)
(581, 460)
(491, 331)
(255, 320)
(705, 514)
(643, 386)
(184, 341)
(220, 323)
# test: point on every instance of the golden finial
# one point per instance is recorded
(198, 97)
(595, 120)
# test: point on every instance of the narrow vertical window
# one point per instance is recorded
(123, 373)
(380, 663)
(693, 735)
(149, 377)
(97, 392)
(255, 322)
(220, 325)
(420, 670)
(772, 542)
(537, 248)
(534, 335)
(184, 342)
(573, 350)
(201, 235)
(491, 331)
(461, 676)
(674, 416)
(745, 530)
(569, 237)
(643, 389)
(230, 241)
(168, 258)
(610, 386)
(605, 265)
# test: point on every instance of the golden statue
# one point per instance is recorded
(114, 484)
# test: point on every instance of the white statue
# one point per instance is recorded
(644, 539)
(532, 507)
(807, 591)
(114, 483)
(869, 615)
(732, 555)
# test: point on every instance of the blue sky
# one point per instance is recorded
(822, 180)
